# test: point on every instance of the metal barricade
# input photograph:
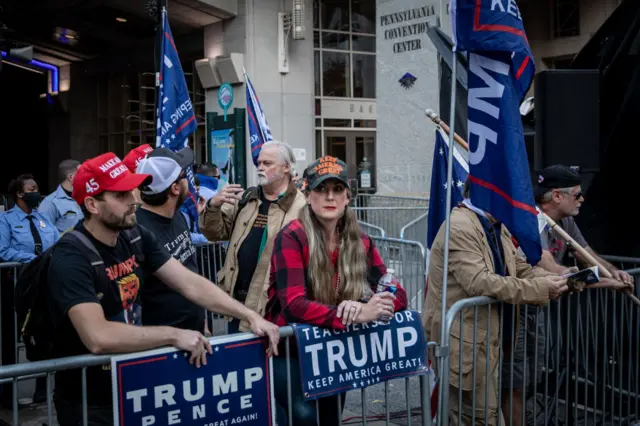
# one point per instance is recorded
(415, 409)
(370, 200)
(407, 259)
(11, 340)
(416, 230)
(391, 219)
(211, 257)
(629, 264)
(372, 230)
(573, 361)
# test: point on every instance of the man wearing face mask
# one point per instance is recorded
(160, 214)
(250, 221)
(25, 232)
(59, 207)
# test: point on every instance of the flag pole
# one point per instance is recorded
(162, 10)
(444, 371)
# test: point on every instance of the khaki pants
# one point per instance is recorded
(461, 412)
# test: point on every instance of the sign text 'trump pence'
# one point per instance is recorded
(161, 388)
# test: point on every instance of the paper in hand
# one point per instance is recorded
(588, 276)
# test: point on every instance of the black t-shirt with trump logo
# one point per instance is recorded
(72, 281)
(251, 249)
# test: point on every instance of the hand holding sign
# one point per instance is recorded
(160, 388)
(194, 343)
(261, 327)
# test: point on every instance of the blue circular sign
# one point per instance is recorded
(225, 98)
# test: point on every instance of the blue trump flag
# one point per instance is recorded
(176, 117)
(438, 193)
(160, 387)
(259, 130)
(501, 70)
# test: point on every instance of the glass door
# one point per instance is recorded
(352, 147)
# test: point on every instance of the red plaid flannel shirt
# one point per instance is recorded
(288, 284)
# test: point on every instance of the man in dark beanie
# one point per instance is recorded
(558, 194)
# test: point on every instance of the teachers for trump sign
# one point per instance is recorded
(333, 361)
(160, 387)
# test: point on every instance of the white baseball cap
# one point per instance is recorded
(165, 166)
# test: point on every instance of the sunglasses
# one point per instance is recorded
(577, 195)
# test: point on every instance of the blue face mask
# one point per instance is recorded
(208, 182)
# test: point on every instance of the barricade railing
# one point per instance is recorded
(391, 219)
(10, 343)
(573, 361)
(416, 230)
(420, 386)
(623, 262)
(210, 258)
(372, 230)
(407, 259)
(372, 200)
(629, 264)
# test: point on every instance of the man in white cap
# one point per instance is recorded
(159, 213)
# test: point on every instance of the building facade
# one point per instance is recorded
(357, 82)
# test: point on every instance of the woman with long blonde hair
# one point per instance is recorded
(324, 272)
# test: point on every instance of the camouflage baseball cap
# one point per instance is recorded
(325, 168)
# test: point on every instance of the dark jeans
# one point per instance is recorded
(304, 412)
(69, 413)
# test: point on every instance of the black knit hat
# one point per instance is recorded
(556, 177)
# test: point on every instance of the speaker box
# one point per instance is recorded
(567, 120)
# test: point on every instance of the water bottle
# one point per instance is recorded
(388, 282)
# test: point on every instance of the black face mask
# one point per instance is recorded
(32, 199)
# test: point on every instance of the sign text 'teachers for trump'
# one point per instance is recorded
(333, 362)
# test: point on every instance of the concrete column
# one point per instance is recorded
(405, 138)
(287, 99)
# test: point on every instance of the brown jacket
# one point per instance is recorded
(217, 224)
(471, 273)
